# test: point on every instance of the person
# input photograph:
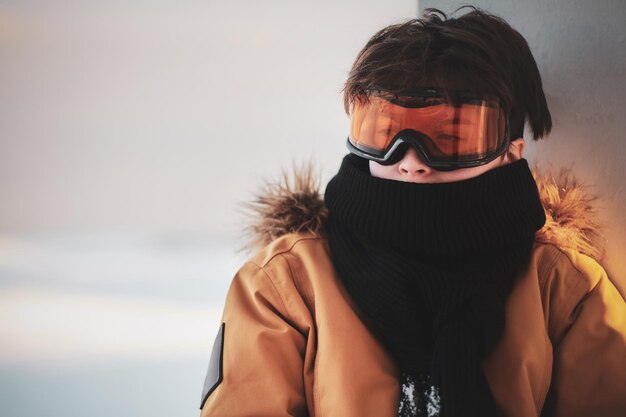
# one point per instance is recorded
(438, 275)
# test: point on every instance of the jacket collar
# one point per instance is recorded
(294, 203)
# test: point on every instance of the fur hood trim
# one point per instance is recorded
(295, 204)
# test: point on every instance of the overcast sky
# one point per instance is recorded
(162, 116)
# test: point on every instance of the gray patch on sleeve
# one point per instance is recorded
(216, 372)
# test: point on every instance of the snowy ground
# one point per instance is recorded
(109, 325)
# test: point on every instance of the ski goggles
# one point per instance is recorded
(462, 132)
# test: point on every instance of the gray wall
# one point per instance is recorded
(580, 48)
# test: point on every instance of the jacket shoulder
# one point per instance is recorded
(566, 278)
(577, 270)
(288, 244)
(292, 263)
(586, 322)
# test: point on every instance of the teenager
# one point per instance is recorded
(437, 276)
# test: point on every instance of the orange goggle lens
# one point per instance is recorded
(467, 131)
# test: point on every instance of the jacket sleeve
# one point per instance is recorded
(589, 370)
(261, 356)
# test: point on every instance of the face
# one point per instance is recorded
(411, 168)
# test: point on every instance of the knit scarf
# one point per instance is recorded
(429, 267)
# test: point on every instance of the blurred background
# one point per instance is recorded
(132, 131)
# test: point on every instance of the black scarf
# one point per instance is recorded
(430, 266)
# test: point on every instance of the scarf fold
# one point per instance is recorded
(430, 266)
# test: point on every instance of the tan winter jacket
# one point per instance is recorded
(292, 342)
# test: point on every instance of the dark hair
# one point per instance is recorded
(477, 52)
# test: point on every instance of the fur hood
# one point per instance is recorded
(294, 203)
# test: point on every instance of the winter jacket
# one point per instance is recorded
(293, 343)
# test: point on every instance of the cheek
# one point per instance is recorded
(383, 171)
(467, 173)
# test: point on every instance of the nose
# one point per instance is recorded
(412, 165)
